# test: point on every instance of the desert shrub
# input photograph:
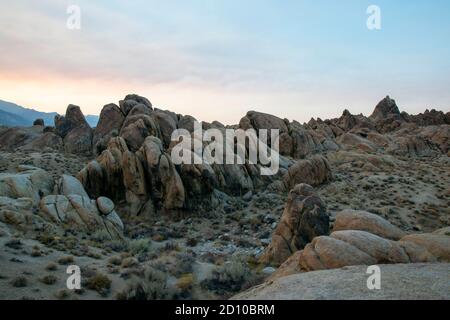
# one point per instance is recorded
(19, 282)
(153, 286)
(183, 264)
(51, 267)
(129, 262)
(49, 279)
(62, 294)
(191, 242)
(15, 244)
(171, 246)
(66, 260)
(185, 284)
(36, 253)
(230, 277)
(115, 260)
(100, 236)
(100, 283)
(47, 239)
(139, 247)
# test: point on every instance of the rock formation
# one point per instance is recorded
(303, 219)
(30, 190)
(361, 238)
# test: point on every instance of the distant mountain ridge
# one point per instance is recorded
(13, 115)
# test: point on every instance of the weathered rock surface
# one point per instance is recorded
(75, 131)
(80, 213)
(105, 205)
(27, 194)
(355, 247)
(303, 219)
(13, 138)
(137, 177)
(366, 221)
(109, 124)
(28, 182)
(48, 141)
(68, 185)
(313, 171)
(259, 120)
(399, 282)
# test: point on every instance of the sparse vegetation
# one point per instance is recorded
(153, 286)
(49, 279)
(62, 294)
(230, 277)
(15, 244)
(19, 282)
(66, 260)
(100, 283)
(51, 267)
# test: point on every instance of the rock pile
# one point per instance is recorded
(29, 193)
(362, 238)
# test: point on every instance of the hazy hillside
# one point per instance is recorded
(10, 119)
(12, 114)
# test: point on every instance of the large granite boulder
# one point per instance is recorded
(109, 124)
(28, 182)
(303, 219)
(75, 131)
(314, 171)
(417, 281)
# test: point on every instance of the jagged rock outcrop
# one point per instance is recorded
(122, 172)
(165, 181)
(303, 219)
(349, 122)
(412, 145)
(136, 128)
(187, 122)
(429, 118)
(75, 131)
(131, 100)
(168, 123)
(304, 142)
(147, 175)
(385, 108)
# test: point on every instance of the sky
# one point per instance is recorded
(218, 59)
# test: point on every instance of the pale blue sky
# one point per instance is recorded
(217, 59)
